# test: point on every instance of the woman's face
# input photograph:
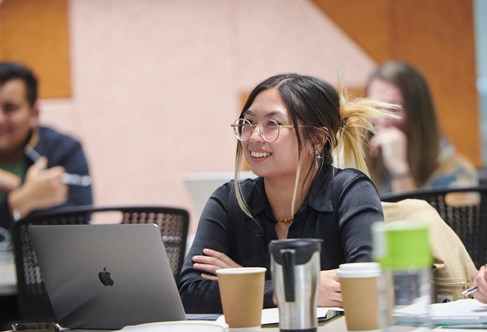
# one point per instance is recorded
(280, 157)
(390, 93)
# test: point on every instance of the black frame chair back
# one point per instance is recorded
(463, 209)
(32, 298)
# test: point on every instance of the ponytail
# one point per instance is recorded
(356, 126)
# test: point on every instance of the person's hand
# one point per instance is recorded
(391, 144)
(8, 181)
(42, 188)
(481, 281)
(210, 261)
(329, 294)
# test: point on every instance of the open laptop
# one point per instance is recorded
(106, 276)
(201, 185)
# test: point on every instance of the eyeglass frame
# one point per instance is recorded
(252, 126)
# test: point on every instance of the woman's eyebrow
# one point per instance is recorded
(268, 115)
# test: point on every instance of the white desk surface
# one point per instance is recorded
(335, 325)
(8, 279)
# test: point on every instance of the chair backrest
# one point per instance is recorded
(463, 209)
(33, 300)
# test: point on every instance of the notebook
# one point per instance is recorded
(106, 276)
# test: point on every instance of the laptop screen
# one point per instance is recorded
(106, 276)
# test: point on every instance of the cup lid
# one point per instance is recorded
(241, 270)
(359, 270)
(401, 244)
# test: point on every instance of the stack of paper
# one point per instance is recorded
(460, 313)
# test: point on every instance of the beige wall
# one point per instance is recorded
(155, 84)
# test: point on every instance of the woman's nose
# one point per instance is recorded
(256, 134)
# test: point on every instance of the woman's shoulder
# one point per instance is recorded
(337, 179)
(348, 175)
(337, 184)
(453, 170)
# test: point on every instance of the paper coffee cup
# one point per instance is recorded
(242, 295)
(359, 283)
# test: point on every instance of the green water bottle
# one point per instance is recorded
(402, 248)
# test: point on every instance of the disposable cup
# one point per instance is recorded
(359, 283)
(242, 295)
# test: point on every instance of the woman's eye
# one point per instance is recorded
(272, 123)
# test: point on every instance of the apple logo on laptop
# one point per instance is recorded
(105, 277)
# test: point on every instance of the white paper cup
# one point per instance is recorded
(359, 283)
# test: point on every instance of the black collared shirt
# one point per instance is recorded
(339, 209)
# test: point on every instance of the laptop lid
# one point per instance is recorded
(106, 276)
(200, 186)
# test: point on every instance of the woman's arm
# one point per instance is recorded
(357, 207)
(200, 294)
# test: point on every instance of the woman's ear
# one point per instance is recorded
(320, 138)
(317, 142)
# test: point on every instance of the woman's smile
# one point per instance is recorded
(258, 154)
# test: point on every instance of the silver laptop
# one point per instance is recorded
(201, 185)
(106, 276)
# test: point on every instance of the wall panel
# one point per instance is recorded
(35, 32)
(437, 36)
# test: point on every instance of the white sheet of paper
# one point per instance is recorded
(468, 311)
(271, 315)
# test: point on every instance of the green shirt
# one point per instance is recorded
(17, 168)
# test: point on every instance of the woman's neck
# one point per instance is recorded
(279, 192)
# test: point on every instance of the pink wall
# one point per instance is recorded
(157, 83)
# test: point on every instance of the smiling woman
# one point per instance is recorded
(287, 131)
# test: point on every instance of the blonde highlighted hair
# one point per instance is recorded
(357, 115)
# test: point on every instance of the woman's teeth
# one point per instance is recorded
(260, 154)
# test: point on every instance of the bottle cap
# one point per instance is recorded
(401, 245)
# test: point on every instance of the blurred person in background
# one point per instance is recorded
(409, 152)
(33, 158)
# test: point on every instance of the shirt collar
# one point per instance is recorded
(319, 196)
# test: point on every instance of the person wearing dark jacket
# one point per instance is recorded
(287, 132)
(35, 161)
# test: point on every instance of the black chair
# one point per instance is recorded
(463, 209)
(32, 298)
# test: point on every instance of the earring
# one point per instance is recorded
(318, 158)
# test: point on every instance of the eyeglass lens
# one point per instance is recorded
(268, 130)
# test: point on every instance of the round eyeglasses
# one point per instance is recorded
(267, 129)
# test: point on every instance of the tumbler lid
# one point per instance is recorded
(303, 248)
(401, 244)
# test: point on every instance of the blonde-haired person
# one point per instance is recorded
(287, 131)
(410, 152)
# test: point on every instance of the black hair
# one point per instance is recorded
(11, 70)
